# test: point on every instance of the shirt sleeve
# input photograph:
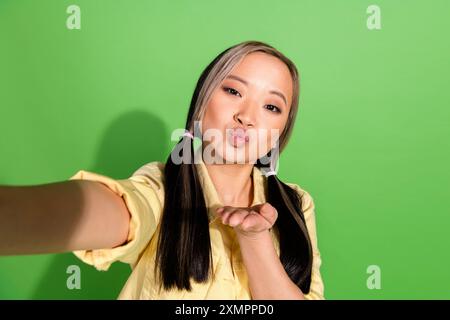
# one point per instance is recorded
(141, 199)
(316, 291)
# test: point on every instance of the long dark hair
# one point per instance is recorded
(184, 247)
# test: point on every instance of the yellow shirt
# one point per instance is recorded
(143, 194)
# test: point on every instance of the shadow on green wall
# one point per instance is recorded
(131, 141)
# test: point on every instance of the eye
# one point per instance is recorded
(232, 91)
(273, 108)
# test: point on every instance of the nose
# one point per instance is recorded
(244, 119)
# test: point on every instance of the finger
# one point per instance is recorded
(237, 217)
(225, 213)
(252, 222)
(220, 211)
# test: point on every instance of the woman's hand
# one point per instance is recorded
(249, 222)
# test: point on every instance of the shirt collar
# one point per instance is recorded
(212, 199)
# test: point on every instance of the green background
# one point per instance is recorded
(371, 142)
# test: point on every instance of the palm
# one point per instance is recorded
(254, 219)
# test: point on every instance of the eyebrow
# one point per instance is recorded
(278, 93)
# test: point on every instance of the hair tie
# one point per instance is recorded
(188, 134)
(270, 173)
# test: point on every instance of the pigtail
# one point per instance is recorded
(184, 247)
(295, 244)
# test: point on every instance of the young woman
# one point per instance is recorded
(196, 228)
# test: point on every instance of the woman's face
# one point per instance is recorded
(248, 111)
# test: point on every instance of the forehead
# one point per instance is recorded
(266, 72)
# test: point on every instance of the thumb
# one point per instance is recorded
(267, 211)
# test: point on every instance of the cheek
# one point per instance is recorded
(217, 114)
(273, 129)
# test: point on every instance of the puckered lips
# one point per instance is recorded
(237, 136)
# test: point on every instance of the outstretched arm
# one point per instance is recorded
(60, 217)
